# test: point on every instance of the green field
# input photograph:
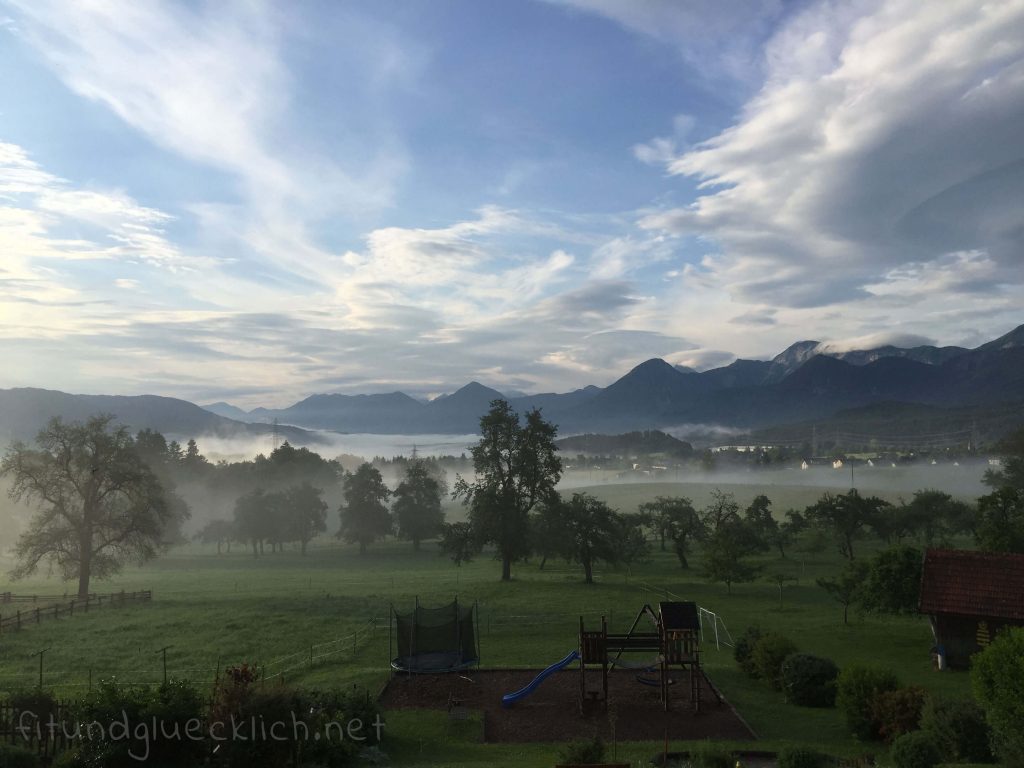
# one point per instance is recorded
(217, 610)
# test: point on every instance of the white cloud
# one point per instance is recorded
(885, 141)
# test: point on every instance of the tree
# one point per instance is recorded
(725, 551)
(417, 506)
(761, 523)
(999, 524)
(847, 588)
(305, 513)
(591, 531)
(997, 677)
(1011, 474)
(517, 468)
(675, 519)
(255, 518)
(846, 515)
(893, 582)
(219, 532)
(937, 517)
(458, 542)
(364, 516)
(100, 505)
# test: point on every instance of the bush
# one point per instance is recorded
(897, 712)
(857, 687)
(809, 681)
(801, 757)
(744, 649)
(707, 755)
(583, 752)
(17, 757)
(769, 653)
(959, 728)
(916, 750)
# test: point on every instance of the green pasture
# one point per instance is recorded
(280, 609)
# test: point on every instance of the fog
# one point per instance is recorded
(334, 444)
(964, 481)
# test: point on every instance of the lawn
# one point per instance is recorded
(280, 609)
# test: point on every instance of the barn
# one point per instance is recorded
(969, 597)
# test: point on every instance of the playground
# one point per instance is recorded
(647, 683)
(550, 713)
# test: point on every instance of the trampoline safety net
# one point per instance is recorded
(436, 639)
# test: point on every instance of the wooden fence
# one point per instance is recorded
(12, 621)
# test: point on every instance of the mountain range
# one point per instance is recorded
(807, 381)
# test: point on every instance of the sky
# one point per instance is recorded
(255, 201)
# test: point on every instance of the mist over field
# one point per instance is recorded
(333, 444)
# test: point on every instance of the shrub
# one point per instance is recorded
(707, 755)
(801, 757)
(959, 728)
(768, 655)
(897, 712)
(17, 757)
(809, 681)
(857, 687)
(171, 707)
(744, 649)
(997, 674)
(916, 750)
(583, 752)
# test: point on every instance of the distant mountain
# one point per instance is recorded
(227, 410)
(23, 412)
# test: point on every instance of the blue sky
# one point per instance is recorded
(256, 201)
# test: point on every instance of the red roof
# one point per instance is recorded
(967, 583)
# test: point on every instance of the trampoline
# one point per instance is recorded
(434, 640)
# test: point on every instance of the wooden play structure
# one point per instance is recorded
(675, 641)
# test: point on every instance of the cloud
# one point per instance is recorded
(873, 124)
(662, 150)
(210, 84)
(715, 37)
(875, 340)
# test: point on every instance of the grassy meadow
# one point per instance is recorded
(333, 604)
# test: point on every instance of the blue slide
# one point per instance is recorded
(510, 698)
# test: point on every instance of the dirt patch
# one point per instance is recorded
(551, 713)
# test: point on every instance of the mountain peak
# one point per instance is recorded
(1014, 338)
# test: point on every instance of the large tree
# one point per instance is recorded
(417, 504)
(364, 515)
(517, 468)
(99, 504)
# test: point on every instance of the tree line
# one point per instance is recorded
(104, 498)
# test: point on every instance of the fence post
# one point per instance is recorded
(19, 618)
(38, 619)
